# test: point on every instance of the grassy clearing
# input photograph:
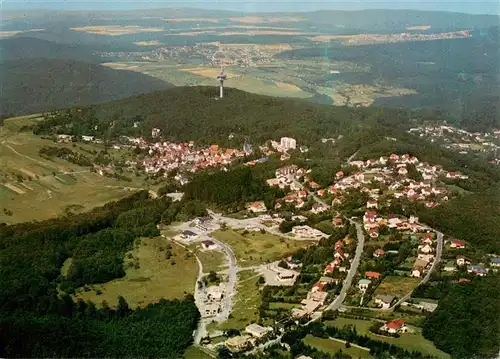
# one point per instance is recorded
(332, 346)
(410, 341)
(397, 286)
(155, 278)
(246, 302)
(66, 266)
(213, 260)
(278, 305)
(195, 353)
(255, 248)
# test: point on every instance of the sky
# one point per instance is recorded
(468, 6)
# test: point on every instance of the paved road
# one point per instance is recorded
(352, 271)
(439, 251)
(199, 290)
(337, 302)
(265, 345)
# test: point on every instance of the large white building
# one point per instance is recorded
(288, 143)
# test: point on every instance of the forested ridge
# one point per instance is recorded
(38, 318)
(61, 83)
(466, 323)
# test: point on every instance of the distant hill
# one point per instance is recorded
(16, 48)
(399, 20)
(34, 85)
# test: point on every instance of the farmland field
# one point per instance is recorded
(36, 188)
(156, 277)
(257, 248)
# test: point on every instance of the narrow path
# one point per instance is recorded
(352, 344)
(199, 290)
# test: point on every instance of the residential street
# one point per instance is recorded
(352, 271)
(439, 250)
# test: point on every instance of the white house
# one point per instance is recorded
(384, 300)
(395, 326)
(257, 331)
(363, 284)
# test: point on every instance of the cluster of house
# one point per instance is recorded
(392, 172)
(247, 340)
(425, 256)
(475, 269)
(316, 297)
(372, 222)
(339, 257)
(460, 140)
(168, 156)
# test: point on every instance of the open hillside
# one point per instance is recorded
(34, 85)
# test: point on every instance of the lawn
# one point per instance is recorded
(212, 260)
(279, 305)
(410, 341)
(256, 248)
(245, 303)
(156, 277)
(195, 353)
(397, 286)
(333, 346)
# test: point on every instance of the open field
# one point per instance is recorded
(410, 341)
(245, 303)
(332, 346)
(116, 30)
(148, 43)
(156, 277)
(195, 353)
(208, 72)
(256, 248)
(212, 260)
(397, 286)
(193, 19)
(419, 28)
(34, 188)
(267, 19)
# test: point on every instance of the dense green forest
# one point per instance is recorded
(194, 113)
(61, 83)
(38, 318)
(466, 323)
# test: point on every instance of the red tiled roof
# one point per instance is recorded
(372, 275)
(395, 324)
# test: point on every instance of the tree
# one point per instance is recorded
(122, 308)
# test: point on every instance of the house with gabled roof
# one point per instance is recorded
(394, 326)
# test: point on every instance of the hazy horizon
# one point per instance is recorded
(470, 7)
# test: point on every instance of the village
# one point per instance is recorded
(376, 264)
(462, 141)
